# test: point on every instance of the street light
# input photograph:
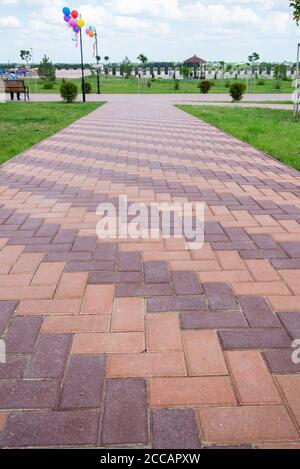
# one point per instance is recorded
(98, 58)
(297, 85)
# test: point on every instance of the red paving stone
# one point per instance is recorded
(146, 342)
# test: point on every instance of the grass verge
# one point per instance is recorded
(25, 124)
(273, 131)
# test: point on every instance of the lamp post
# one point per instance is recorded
(82, 69)
(297, 85)
(98, 60)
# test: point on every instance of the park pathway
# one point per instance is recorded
(147, 343)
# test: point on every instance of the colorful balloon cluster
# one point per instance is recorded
(73, 19)
(91, 31)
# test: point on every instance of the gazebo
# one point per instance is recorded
(196, 64)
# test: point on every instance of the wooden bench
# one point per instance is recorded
(16, 86)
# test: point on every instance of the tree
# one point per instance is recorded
(46, 70)
(295, 5)
(106, 58)
(126, 67)
(253, 59)
(142, 58)
(25, 55)
(185, 71)
(222, 66)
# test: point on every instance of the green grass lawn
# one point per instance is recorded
(130, 86)
(274, 131)
(24, 124)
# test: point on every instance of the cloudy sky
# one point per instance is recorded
(163, 29)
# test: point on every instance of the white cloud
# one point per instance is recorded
(9, 22)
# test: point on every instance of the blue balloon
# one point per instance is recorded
(66, 11)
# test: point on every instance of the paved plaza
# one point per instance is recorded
(145, 343)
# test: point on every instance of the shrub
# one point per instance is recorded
(48, 85)
(237, 91)
(261, 82)
(176, 85)
(277, 85)
(149, 83)
(68, 91)
(227, 84)
(205, 86)
(87, 87)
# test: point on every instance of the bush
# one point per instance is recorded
(176, 85)
(237, 91)
(261, 82)
(88, 87)
(205, 86)
(48, 85)
(68, 91)
(227, 84)
(149, 83)
(277, 85)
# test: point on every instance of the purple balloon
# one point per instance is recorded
(67, 18)
(76, 29)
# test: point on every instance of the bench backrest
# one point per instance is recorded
(14, 86)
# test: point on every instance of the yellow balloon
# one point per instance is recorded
(80, 23)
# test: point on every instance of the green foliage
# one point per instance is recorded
(88, 87)
(295, 5)
(237, 91)
(261, 82)
(185, 71)
(46, 70)
(25, 55)
(126, 67)
(176, 85)
(142, 58)
(149, 83)
(68, 91)
(48, 85)
(205, 86)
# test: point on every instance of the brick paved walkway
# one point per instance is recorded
(147, 343)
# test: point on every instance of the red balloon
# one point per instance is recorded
(74, 14)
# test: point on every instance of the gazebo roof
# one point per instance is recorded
(195, 60)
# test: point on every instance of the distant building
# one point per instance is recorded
(197, 66)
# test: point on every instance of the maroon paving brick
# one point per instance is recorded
(7, 309)
(49, 357)
(125, 419)
(106, 252)
(45, 248)
(13, 368)
(220, 296)
(83, 383)
(174, 429)
(213, 320)
(67, 256)
(65, 236)
(186, 283)
(254, 339)
(178, 303)
(263, 254)
(22, 334)
(280, 361)
(291, 322)
(29, 394)
(84, 243)
(286, 264)
(115, 277)
(47, 230)
(156, 272)
(141, 289)
(258, 312)
(90, 266)
(292, 248)
(265, 241)
(130, 262)
(49, 428)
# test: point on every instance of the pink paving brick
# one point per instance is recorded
(140, 342)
